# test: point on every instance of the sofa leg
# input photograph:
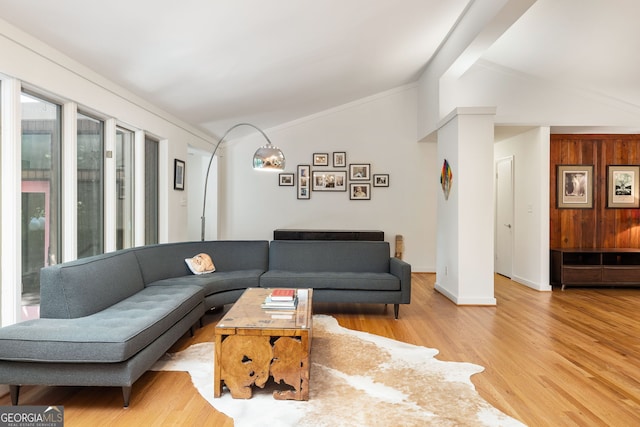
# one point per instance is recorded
(126, 395)
(396, 310)
(14, 390)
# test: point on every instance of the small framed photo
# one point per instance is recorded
(320, 159)
(381, 180)
(622, 186)
(574, 187)
(360, 191)
(178, 174)
(286, 179)
(304, 184)
(359, 172)
(339, 159)
(329, 180)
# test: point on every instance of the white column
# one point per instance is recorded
(110, 207)
(10, 202)
(464, 260)
(139, 189)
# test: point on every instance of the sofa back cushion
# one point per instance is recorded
(165, 261)
(336, 256)
(85, 286)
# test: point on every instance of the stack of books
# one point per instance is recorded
(281, 299)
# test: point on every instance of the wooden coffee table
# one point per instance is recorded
(254, 344)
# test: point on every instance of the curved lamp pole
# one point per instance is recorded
(267, 157)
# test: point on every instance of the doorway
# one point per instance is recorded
(504, 225)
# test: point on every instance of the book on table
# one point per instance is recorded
(283, 294)
(269, 303)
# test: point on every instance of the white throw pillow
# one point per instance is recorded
(200, 264)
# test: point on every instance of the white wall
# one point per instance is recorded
(531, 205)
(380, 130)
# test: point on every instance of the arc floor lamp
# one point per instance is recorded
(268, 158)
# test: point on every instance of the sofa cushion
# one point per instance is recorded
(216, 282)
(330, 280)
(321, 256)
(114, 334)
(86, 286)
(165, 261)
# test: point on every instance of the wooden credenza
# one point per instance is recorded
(595, 267)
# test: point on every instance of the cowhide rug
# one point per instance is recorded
(357, 379)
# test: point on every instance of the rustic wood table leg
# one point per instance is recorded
(244, 361)
(217, 379)
(291, 365)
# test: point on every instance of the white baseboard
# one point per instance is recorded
(530, 284)
(465, 301)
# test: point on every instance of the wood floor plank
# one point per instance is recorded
(561, 358)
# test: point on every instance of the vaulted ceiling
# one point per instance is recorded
(213, 63)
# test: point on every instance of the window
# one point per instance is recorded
(90, 164)
(151, 153)
(124, 188)
(40, 222)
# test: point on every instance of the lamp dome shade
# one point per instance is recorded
(268, 157)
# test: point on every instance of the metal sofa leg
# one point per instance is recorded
(14, 390)
(126, 395)
(396, 310)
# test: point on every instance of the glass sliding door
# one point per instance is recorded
(124, 188)
(90, 164)
(41, 225)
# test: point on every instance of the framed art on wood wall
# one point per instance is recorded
(574, 187)
(622, 186)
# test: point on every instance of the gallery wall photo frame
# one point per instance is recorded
(329, 180)
(381, 180)
(574, 187)
(360, 191)
(339, 159)
(360, 172)
(286, 180)
(320, 159)
(178, 174)
(623, 185)
(304, 182)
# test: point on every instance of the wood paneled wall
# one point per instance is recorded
(599, 227)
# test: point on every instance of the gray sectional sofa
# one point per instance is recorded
(106, 319)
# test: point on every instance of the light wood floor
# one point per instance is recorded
(561, 358)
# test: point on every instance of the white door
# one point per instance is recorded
(504, 217)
